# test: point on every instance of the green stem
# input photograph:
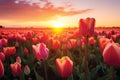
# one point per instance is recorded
(113, 72)
(85, 60)
(45, 69)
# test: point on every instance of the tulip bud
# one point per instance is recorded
(18, 59)
(26, 70)
(16, 44)
(25, 51)
(92, 41)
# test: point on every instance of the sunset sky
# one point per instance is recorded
(50, 13)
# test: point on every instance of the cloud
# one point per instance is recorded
(29, 10)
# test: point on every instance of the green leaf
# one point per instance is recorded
(38, 77)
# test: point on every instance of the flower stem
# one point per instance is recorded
(113, 72)
(45, 69)
(85, 59)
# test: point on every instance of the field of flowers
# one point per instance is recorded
(86, 53)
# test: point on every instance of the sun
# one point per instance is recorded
(58, 24)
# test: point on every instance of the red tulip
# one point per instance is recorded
(35, 40)
(16, 69)
(92, 41)
(2, 56)
(111, 54)
(72, 43)
(1, 69)
(29, 35)
(8, 51)
(86, 26)
(40, 51)
(55, 44)
(103, 42)
(64, 66)
(25, 51)
(23, 39)
(114, 37)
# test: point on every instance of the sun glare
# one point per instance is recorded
(58, 24)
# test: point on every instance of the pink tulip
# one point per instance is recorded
(1, 69)
(2, 56)
(40, 51)
(4, 42)
(16, 69)
(81, 43)
(18, 59)
(64, 66)
(26, 70)
(111, 54)
(86, 26)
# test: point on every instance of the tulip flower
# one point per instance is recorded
(29, 35)
(35, 40)
(1, 69)
(2, 56)
(72, 43)
(18, 59)
(26, 70)
(55, 44)
(103, 42)
(111, 54)
(8, 51)
(4, 42)
(16, 69)
(81, 43)
(40, 51)
(64, 66)
(86, 26)
(92, 41)
(25, 51)
(16, 44)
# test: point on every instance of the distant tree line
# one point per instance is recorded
(2, 26)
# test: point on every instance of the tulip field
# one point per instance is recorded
(83, 53)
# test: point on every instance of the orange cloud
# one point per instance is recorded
(25, 10)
